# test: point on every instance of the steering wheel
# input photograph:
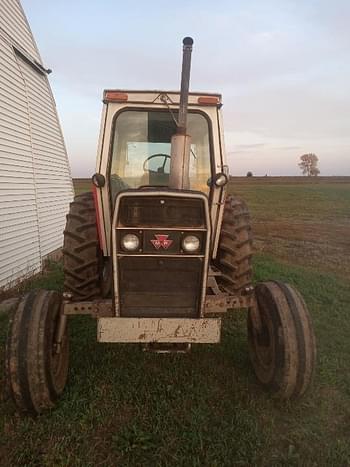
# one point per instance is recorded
(160, 169)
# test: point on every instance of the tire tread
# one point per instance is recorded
(235, 247)
(81, 251)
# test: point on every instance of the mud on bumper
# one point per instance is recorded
(159, 330)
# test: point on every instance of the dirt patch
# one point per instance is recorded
(301, 220)
(323, 246)
(331, 234)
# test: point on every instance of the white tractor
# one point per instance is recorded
(158, 252)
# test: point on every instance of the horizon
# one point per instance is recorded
(283, 72)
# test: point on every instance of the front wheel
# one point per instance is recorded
(281, 340)
(36, 371)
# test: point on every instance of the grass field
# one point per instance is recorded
(124, 407)
(306, 223)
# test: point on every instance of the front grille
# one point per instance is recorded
(161, 211)
(159, 279)
(159, 287)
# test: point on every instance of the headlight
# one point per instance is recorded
(130, 242)
(190, 243)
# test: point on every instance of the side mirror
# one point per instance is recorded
(98, 180)
(219, 180)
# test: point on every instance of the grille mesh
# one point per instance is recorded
(159, 287)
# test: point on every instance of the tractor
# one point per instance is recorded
(157, 252)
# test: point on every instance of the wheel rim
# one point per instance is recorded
(263, 345)
(58, 363)
(58, 360)
(262, 342)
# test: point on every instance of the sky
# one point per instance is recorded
(282, 66)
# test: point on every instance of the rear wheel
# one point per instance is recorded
(281, 340)
(36, 372)
(87, 272)
(235, 248)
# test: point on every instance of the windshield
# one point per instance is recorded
(141, 150)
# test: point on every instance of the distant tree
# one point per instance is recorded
(314, 171)
(249, 174)
(308, 165)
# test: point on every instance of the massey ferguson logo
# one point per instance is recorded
(161, 241)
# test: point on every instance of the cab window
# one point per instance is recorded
(141, 150)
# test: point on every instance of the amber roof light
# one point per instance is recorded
(115, 96)
(208, 100)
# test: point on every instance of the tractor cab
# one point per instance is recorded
(135, 147)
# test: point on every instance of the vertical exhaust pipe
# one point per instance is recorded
(185, 84)
(181, 141)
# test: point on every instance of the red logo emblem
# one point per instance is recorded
(161, 241)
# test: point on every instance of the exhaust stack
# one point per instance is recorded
(181, 142)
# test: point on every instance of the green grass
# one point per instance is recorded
(125, 407)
